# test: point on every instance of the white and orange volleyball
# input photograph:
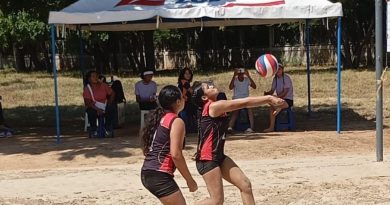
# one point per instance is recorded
(267, 65)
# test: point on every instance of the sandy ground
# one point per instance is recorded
(317, 167)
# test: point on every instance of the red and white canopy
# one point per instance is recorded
(117, 15)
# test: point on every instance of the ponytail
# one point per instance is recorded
(166, 100)
(152, 122)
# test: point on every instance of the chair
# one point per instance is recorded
(121, 113)
(143, 115)
(285, 120)
(242, 122)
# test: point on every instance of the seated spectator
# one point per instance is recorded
(188, 114)
(116, 86)
(240, 83)
(98, 99)
(145, 93)
(282, 87)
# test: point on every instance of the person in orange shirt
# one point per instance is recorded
(98, 98)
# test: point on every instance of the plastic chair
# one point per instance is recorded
(285, 120)
(242, 122)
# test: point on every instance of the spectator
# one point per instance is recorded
(240, 83)
(119, 102)
(188, 114)
(98, 99)
(145, 93)
(282, 85)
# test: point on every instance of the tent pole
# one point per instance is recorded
(307, 30)
(53, 56)
(338, 75)
(379, 83)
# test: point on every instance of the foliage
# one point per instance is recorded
(169, 39)
(358, 29)
(22, 27)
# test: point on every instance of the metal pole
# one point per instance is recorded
(379, 70)
(308, 65)
(339, 75)
(53, 56)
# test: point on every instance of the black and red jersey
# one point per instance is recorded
(159, 157)
(211, 136)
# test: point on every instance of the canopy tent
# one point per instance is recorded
(132, 15)
(115, 15)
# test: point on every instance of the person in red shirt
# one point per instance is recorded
(163, 142)
(98, 98)
(211, 161)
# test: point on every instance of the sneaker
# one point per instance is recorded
(249, 130)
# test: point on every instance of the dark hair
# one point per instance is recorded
(166, 98)
(197, 94)
(88, 75)
(182, 72)
(102, 78)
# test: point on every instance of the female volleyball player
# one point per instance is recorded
(163, 141)
(211, 161)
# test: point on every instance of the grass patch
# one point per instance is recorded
(28, 98)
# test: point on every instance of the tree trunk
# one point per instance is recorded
(149, 50)
(46, 60)
(1, 60)
(201, 50)
(34, 57)
(18, 58)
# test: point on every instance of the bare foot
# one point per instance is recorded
(268, 130)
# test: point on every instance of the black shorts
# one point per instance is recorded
(160, 184)
(289, 102)
(204, 166)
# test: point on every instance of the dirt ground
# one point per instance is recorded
(302, 167)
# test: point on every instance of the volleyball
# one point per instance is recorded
(266, 65)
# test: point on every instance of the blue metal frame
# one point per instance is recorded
(339, 75)
(307, 45)
(53, 56)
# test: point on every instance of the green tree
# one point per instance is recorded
(357, 30)
(20, 30)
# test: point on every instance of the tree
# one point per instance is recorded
(358, 29)
(19, 30)
(26, 32)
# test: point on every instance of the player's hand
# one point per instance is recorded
(275, 101)
(192, 185)
(235, 72)
(247, 73)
